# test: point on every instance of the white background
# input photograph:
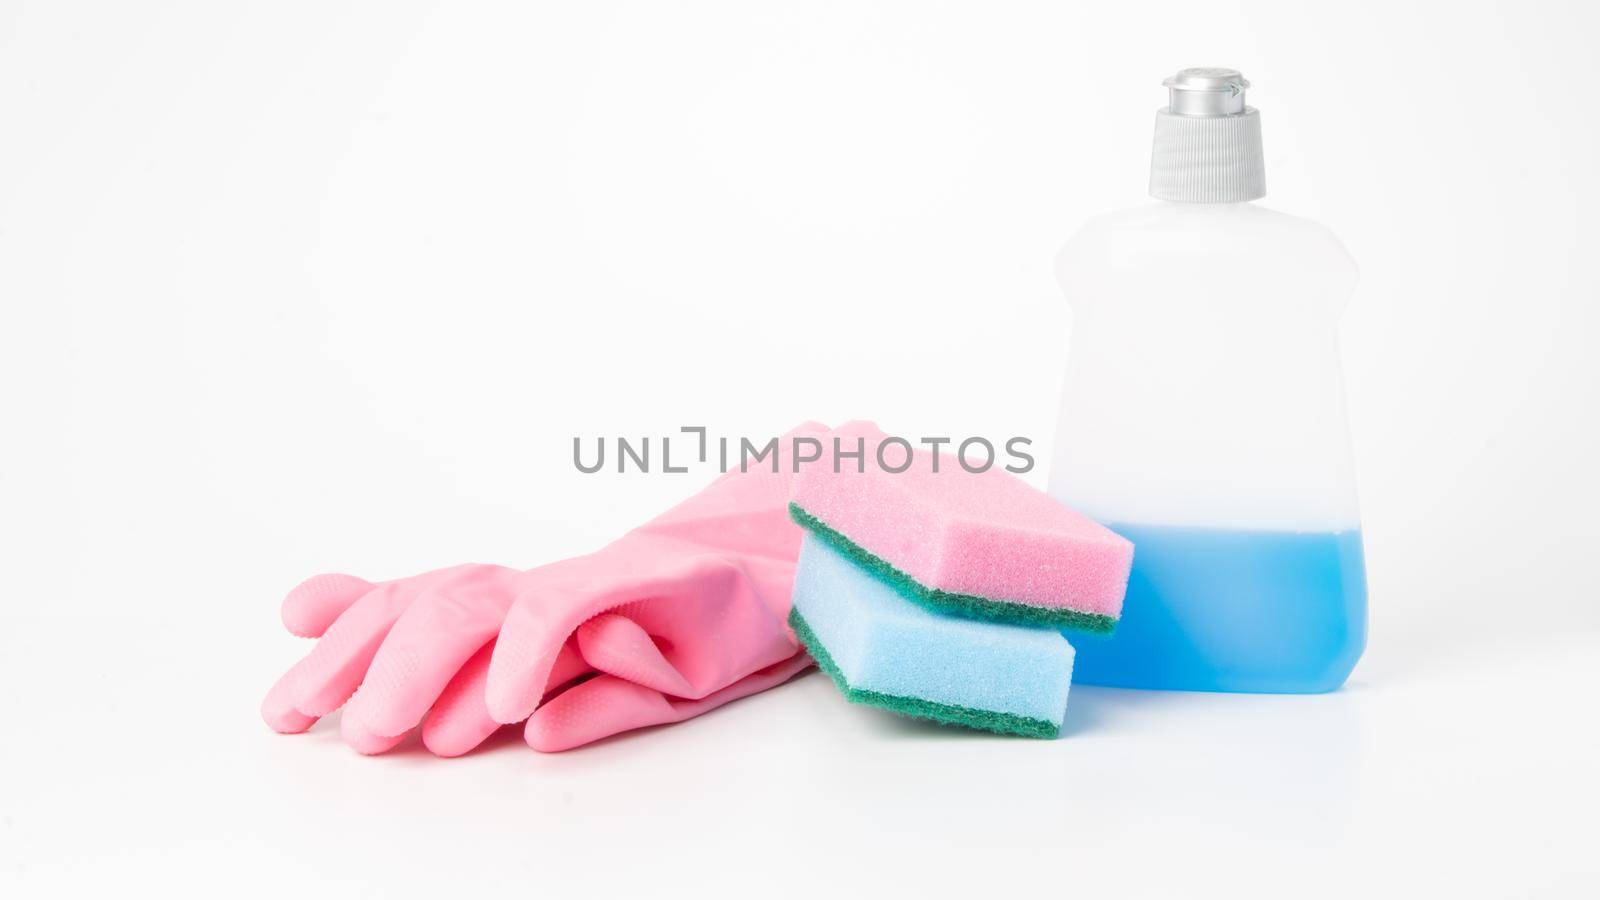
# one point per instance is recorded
(290, 288)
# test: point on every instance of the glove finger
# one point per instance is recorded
(569, 666)
(637, 576)
(460, 720)
(363, 740)
(434, 637)
(330, 673)
(278, 711)
(606, 705)
(315, 603)
(616, 645)
(708, 638)
(536, 628)
(598, 708)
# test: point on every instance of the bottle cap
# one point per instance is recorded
(1208, 142)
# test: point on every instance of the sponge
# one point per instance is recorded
(881, 650)
(983, 545)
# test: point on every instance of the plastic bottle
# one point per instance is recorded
(1203, 418)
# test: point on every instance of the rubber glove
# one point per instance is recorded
(679, 616)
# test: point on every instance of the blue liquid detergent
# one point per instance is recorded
(1217, 610)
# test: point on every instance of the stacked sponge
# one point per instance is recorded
(938, 592)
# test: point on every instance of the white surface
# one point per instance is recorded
(304, 287)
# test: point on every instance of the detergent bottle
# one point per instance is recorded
(1203, 418)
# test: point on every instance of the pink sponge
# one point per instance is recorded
(983, 545)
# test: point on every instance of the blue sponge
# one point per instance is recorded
(886, 651)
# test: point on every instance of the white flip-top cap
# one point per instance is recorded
(1208, 142)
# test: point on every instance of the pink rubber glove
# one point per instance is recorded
(679, 616)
